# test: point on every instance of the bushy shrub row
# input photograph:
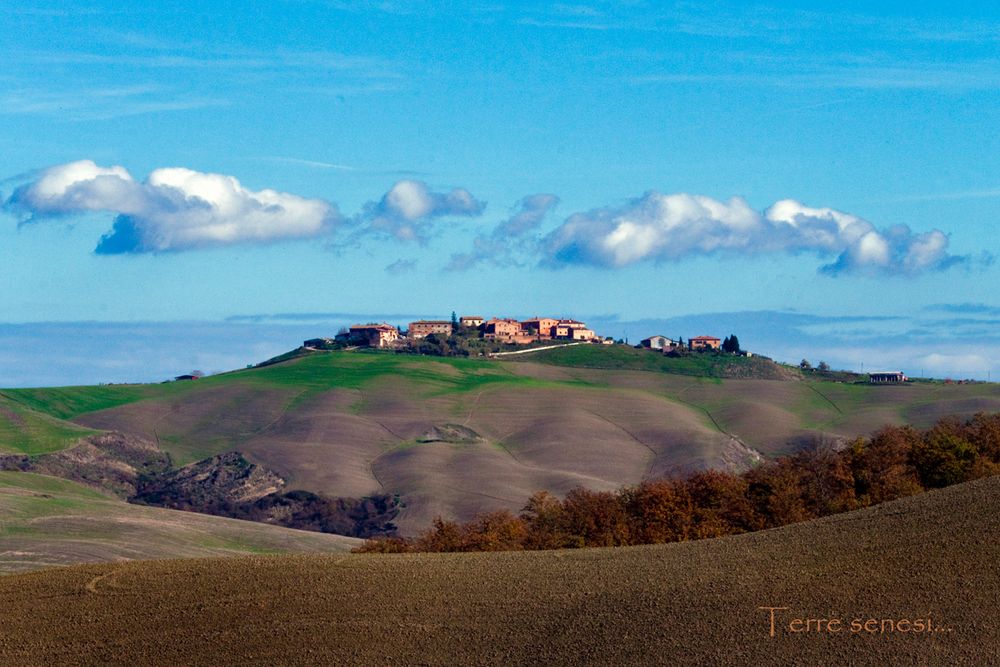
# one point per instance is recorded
(894, 462)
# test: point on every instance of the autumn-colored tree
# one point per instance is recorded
(494, 531)
(546, 523)
(776, 495)
(443, 536)
(597, 518)
(984, 430)
(721, 504)
(659, 511)
(882, 465)
(944, 456)
(826, 481)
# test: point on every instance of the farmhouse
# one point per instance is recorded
(573, 330)
(542, 328)
(704, 343)
(887, 377)
(423, 328)
(374, 335)
(471, 321)
(506, 330)
(657, 343)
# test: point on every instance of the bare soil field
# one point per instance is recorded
(926, 562)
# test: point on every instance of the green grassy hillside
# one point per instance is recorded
(45, 521)
(27, 431)
(355, 423)
(624, 357)
(693, 603)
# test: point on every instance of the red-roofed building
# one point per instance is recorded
(704, 343)
(506, 330)
(541, 327)
(374, 335)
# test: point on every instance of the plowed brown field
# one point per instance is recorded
(692, 603)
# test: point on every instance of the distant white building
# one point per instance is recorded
(887, 377)
(657, 342)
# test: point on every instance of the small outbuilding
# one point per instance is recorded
(657, 343)
(887, 377)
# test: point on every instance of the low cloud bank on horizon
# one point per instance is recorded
(176, 209)
(154, 351)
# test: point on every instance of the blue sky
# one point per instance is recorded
(628, 161)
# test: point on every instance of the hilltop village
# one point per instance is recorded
(473, 335)
(476, 334)
(500, 331)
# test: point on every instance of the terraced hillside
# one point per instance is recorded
(349, 424)
(45, 521)
(925, 562)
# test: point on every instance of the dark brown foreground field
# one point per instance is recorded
(932, 556)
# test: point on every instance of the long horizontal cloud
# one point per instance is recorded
(404, 211)
(658, 227)
(173, 209)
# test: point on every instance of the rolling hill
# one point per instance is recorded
(46, 521)
(931, 556)
(353, 424)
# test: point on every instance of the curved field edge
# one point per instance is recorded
(46, 521)
(931, 556)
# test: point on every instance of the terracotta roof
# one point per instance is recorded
(380, 327)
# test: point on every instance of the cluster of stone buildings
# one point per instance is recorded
(522, 332)
(504, 330)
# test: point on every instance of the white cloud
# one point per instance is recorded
(658, 227)
(406, 208)
(75, 187)
(960, 365)
(173, 209)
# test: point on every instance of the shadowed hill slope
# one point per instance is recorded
(353, 424)
(45, 521)
(931, 556)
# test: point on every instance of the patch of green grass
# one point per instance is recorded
(28, 496)
(623, 357)
(70, 402)
(25, 431)
(28, 481)
(356, 370)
